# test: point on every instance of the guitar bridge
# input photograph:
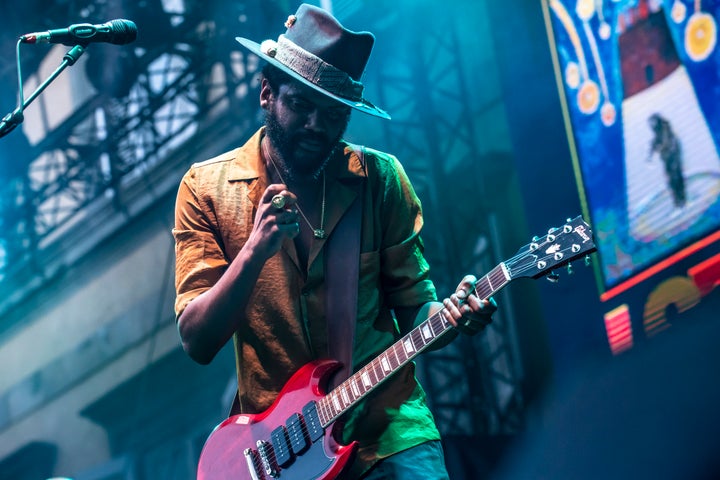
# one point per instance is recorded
(250, 459)
(264, 450)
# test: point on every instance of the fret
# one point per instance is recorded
(416, 339)
(383, 360)
(489, 281)
(354, 387)
(329, 405)
(398, 358)
(397, 350)
(321, 415)
(418, 335)
(336, 402)
(374, 371)
(443, 322)
(395, 361)
(483, 288)
(323, 411)
(498, 277)
(433, 326)
(426, 332)
(366, 379)
(345, 396)
(390, 360)
(408, 345)
(377, 370)
(439, 324)
(385, 363)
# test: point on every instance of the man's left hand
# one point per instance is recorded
(466, 311)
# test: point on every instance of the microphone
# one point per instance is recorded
(118, 32)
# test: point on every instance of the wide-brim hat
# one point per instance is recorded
(322, 54)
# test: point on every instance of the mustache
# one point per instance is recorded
(311, 137)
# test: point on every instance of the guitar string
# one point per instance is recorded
(326, 403)
(494, 274)
(271, 452)
(432, 321)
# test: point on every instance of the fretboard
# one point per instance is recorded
(362, 382)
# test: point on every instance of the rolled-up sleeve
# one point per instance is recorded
(407, 281)
(405, 272)
(199, 258)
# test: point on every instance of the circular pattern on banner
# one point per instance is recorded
(700, 36)
(678, 11)
(588, 97)
(585, 9)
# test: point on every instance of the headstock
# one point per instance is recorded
(557, 248)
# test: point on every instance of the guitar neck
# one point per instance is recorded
(360, 384)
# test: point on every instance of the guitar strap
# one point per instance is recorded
(342, 271)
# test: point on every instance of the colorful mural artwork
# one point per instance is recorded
(641, 86)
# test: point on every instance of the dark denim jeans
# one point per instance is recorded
(424, 462)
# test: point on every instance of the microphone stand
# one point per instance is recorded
(16, 117)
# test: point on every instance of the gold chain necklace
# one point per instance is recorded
(317, 232)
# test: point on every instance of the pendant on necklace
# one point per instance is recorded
(319, 233)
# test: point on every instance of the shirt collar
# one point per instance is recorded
(247, 162)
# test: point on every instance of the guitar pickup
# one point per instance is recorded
(298, 437)
(315, 430)
(281, 445)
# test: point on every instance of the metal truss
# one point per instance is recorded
(474, 383)
(183, 87)
(179, 88)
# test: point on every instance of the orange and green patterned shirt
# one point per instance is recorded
(284, 324)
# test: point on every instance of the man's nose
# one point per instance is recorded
(315, 121)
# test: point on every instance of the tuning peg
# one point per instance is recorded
(587, 260)
(570, 270)
(553, 277)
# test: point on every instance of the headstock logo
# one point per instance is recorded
(580, 230)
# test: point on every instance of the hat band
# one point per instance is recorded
(313, 68)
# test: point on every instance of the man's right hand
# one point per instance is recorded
(272, 224)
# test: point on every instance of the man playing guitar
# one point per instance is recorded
(255, 229)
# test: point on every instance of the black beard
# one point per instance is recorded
(291, 167)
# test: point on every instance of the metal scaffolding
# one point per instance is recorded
(147, 107)
(157, 105)
(474, 384)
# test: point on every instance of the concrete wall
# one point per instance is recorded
(91, 328)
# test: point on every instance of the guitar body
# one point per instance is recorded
(224, 455)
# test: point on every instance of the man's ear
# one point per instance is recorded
(265, 94)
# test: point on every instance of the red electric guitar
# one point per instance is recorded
(294, 438)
